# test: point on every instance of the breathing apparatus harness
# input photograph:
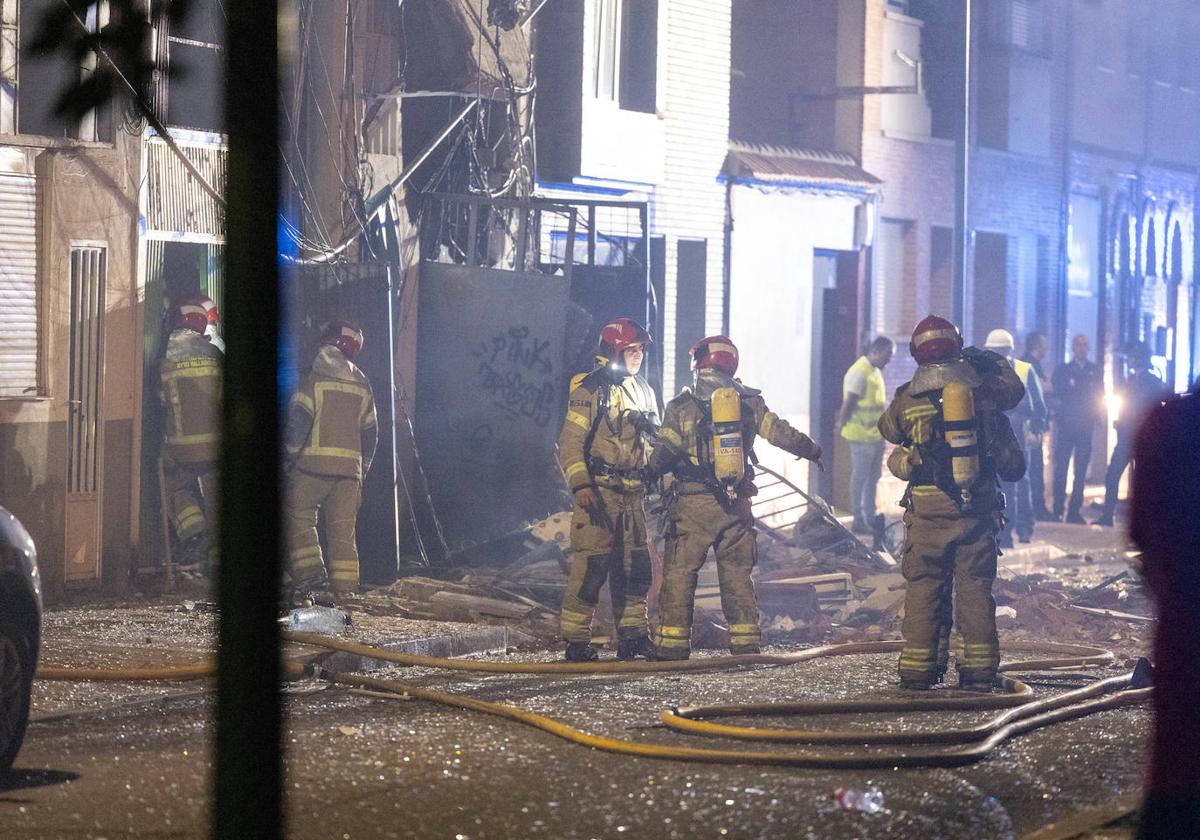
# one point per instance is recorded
(724, 460)
(951, 457)
(645, 427)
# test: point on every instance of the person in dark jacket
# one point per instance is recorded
(1143, 391)
(1078, 388)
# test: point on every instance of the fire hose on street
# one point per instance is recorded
(953, 747)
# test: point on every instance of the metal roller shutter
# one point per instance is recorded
(18, 286)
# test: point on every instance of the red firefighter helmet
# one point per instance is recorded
(716, 351)
(620, 334)
(935, 340)
(345, 336)
(195, 312)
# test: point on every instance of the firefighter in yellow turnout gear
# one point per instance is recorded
(708, 453)
(331, 438)
(190, 388)
(954, 445)
(603, 449)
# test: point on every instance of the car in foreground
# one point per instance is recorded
(20, 632)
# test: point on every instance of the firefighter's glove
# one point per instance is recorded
(591, 502)
(985, 362)
(902, 460)
(644, 422)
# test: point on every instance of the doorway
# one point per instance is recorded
(835, 341)
(85, 457)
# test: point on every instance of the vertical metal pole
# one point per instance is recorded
(962, 164)
(392, 303)
(472, 231)
(569, 256)
(247, 792)
(591, 240)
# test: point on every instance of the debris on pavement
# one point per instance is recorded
(1124, 616)
(818, 585)
(869, 801)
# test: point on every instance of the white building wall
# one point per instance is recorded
(771, 308)
(694, 46)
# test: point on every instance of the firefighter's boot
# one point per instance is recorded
(581, 652)
(640, 646)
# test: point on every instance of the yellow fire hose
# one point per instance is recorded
(692, 720)
(194, 671)
(1032, 716)
(1024, 715)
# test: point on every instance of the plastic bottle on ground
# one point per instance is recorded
(316, 619)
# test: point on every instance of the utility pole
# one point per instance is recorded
(962, 169)
(248, 801)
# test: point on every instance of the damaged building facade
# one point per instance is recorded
(70, 347)
(780, 171)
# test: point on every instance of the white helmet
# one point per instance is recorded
(1001, 341)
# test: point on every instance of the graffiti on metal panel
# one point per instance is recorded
(516, 371)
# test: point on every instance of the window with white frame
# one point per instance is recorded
(604, 52)
(625, 53)
(8, 66)
(18, 287)
(894, 266)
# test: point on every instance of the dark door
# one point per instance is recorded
(836, 292)
(691, 287)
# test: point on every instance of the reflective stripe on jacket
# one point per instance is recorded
(862, 425)
(332, 428)
(685, 439)
(616, 440)
(191, 391)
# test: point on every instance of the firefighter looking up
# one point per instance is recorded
(707, 442)
(954, 446)
(331, 437)
(190, 378)
(603, 449)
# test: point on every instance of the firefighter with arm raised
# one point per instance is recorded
(706, 442)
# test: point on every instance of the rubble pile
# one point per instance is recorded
(475, 599)
(1115, 613)
(816, 585)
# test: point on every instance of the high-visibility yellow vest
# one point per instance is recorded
(332, 427)
(862, 425)
(1022, 369)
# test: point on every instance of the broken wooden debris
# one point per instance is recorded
(1124, 616)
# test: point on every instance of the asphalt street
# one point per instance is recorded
(130, 763)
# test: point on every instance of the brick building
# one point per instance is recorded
(1084, 155)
